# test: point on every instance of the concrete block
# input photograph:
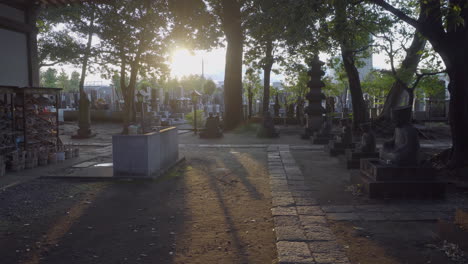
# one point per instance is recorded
(145, 155)
(283, 201)
(305, 201)
(277, 211)
(308, 220)
(293, 252)
(323, 246)
(286, 220)
(336, 257)
(309, 210)
(289, 233)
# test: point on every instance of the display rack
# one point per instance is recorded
(8, 134)
(36, 116)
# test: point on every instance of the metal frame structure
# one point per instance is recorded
(8, 94)
(40, 91)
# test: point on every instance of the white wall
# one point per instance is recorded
(13, 58)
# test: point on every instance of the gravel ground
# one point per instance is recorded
(215, 208)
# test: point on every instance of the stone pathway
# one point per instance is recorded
(385, 212)
(293, 147)
(426, 144)
(302, 232)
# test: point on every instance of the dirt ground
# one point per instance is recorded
(103, 131)
(371, 242)
(391, 242)
(215, 208)
(247, 135)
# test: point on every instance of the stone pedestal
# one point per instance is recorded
(353, 158)
(382, 181)
(335, 148)
(267, 132)
(84, 119)
(267, 128)
(209, 134)
(320, 139)
(314, 123)
(147, 155)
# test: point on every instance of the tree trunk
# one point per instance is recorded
(344, 37)
(359, 107)
(123, 88)
(250, 98)
(84, 120)
(410, 92)
(267, 75)
(405, 73)
(134, 69)
(452, 49)
(233, 71)
(129, 93)
(451, 46)
(458, 109)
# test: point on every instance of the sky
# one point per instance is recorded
(184, 62)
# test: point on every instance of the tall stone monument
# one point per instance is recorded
(314, 111)
(84, 118)
(267, 128)
(277, 106)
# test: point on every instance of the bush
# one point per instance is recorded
(200, 119)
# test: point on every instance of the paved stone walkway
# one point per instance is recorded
(426, 144)
(383, 212)
(302, 232)
(294, 147)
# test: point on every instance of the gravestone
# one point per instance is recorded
(398, 173)
(300, 111)
(341, 142)
(366, 149)
(290, 113)
(276, 107)
(84, 119)
(267, 128)
(212, 128)
(324, 135)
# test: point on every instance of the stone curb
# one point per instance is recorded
(302, 232)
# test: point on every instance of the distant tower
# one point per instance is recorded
(368, 63)
(202, 68)
(203, 75)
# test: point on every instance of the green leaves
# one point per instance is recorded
(378, 83)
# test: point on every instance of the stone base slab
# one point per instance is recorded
(335, 148)
(353, 159)
(377, 170)
(403, 189)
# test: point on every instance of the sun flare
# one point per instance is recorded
(184, 63)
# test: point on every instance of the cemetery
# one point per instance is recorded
(229, 131)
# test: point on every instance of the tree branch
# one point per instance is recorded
(364, 48)
(397, 12)
(420, 76)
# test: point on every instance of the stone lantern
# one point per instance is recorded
(315, 110)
